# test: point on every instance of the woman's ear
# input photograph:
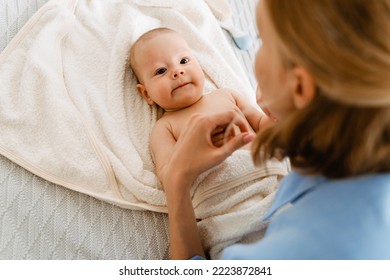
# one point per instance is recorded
(304, 89)
(144, 93)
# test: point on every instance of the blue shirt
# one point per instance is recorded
(316, 218)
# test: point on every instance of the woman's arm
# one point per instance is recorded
(162, 144)
(194, 153)
(183, 230)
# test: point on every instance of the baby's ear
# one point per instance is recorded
(144, 93)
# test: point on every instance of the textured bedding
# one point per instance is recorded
(40, 220)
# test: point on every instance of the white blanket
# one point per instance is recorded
(230, 199)
(69, 109)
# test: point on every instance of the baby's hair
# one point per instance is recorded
(131, 61)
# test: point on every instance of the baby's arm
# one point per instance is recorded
(256, 118)
(162, 143)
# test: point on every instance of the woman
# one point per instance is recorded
(323, 71)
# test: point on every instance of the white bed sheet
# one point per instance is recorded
(41, 220)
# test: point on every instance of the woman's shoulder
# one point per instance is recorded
(336, 219)
(342, 204)
(371, 189)
(355, 189)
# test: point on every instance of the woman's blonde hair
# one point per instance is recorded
(345, 45)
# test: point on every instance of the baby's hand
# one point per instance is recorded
(223, 134)
(218, 136)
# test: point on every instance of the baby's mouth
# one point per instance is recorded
(181, 85)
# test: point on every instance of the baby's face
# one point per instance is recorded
(169, 74)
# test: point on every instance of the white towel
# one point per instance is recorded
(230, 199)
(70, 112)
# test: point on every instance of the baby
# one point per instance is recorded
(170, 76)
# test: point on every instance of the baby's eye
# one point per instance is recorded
(160, 71)
(184, 60)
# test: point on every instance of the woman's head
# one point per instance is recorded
(332, 67)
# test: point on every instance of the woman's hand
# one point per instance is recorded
(194, 153)
(200, 146)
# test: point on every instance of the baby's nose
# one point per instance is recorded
(177, 73)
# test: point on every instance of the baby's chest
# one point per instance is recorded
(208, 107)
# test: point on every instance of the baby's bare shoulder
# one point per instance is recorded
(161, 124)
(223, 93)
